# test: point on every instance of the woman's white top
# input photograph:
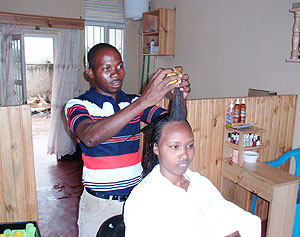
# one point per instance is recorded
(156, 207)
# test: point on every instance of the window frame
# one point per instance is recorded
(107, 26)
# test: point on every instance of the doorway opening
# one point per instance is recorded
(39, 59)
(58, 183)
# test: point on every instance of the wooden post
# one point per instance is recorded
(296, 33)
(18, 200)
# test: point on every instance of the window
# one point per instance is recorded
(97, 32)
(104, 23)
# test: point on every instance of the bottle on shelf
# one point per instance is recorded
(152, 45)
(243, 112)
(258, 141)
(236, 112)
(235, 156)
(229, 115)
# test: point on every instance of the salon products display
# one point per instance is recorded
(250, 139)
(236, 114)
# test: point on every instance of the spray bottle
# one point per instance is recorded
(229, 115)
(243, 111)
(236, 112)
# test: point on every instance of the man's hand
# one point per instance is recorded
(184, 85)
(159, 85)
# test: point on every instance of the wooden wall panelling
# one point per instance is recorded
(276, 114)
(17, 175)
(207, 117)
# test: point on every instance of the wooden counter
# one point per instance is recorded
(278, 187)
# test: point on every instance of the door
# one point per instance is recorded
(19, 68)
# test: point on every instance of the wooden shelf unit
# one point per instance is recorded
(240, 147)
(277, 187)
(267, 182)
(159, 25)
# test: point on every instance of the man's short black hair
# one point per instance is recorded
(94, 49)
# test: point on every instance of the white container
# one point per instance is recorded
(133, 9)
(250, 156)
(235, 156)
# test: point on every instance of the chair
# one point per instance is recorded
(112, 227)
(275, 163)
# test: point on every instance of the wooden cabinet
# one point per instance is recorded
(240, 146)
(269, 183)
(277, 187)
(158, 25)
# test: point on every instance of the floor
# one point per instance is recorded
(58, 185)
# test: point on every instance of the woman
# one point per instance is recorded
(172, 200)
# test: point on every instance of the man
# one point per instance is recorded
(106, 122)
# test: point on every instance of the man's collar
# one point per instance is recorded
(120, 97)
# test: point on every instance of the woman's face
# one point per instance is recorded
(175, 150)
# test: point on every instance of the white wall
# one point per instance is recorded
(229, 46)
(58, 8)
(225, 46)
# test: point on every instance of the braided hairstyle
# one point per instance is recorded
(154, 129)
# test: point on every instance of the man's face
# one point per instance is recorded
(108, 72)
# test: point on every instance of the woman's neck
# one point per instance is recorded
(183, 183)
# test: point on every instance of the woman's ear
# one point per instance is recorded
(90, 73)
(155, 149)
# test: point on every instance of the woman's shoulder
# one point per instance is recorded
(148, 184)
(197, 179)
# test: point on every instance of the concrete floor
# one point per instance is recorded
(58, 185)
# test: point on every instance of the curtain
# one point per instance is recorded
(8, 91)
(64, 87)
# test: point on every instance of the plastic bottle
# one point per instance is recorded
(243, 112)
(152, 45)
(229, 115)
(258, 141)
(18, 234)
(236, 111)
(235, 156)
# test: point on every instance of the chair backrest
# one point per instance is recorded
(283, 158)
(279, 161)
(112, 227)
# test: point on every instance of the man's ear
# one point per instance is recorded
(90, 73)
(155, 149)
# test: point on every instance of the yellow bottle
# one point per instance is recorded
(18, 234)
(173, 74)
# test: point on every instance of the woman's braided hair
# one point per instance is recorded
(153, 130)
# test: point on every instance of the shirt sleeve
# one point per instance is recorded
(76, 112)
(152, 113)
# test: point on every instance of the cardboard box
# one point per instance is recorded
(257, 92)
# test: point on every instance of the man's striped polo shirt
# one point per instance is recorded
(114, 166)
